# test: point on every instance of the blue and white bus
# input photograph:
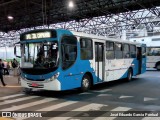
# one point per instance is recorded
(61, 59)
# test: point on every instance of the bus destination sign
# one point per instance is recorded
(38, 35)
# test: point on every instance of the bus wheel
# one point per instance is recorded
(158, 66)
(129, 76)
(86, 83)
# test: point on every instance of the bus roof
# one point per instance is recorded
(81, 34)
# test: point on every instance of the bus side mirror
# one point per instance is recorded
(17, 50)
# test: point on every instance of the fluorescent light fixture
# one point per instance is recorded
(71, 4)
(10, 17)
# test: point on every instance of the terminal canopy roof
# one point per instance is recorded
(31, 13)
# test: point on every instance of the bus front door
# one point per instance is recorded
(139, 59)
(99, 61)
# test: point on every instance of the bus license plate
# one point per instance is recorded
(34, 85)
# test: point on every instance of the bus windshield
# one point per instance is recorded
(39, 55)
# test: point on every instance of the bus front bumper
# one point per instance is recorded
(54, 85)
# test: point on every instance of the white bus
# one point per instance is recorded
(153, 50)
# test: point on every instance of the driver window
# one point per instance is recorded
(47, 55)
(40, 54)
(52, 52)
(69, 51)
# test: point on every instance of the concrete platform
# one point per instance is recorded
(12, 85)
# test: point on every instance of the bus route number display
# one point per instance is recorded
(38, 35)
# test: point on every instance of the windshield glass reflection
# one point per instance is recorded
(40, 55)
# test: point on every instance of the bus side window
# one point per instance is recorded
(133, 51)
(118, 51)
(69, 51)
(86, 49)
(73, 54)
(110, 50)
(126, 51)
(153, 51)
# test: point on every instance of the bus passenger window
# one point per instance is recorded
(126, 51)
(118, 51)
(109, 50)
(133, 51)
(86, 49)
(69, 51)
(153, 51)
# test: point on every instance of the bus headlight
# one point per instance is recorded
(54, 76)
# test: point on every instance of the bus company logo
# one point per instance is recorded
(6, 114)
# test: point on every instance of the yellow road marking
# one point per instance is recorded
(3, 118)
(10, 86)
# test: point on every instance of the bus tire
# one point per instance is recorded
(86, 83)
(158, 66)
(129, 75)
